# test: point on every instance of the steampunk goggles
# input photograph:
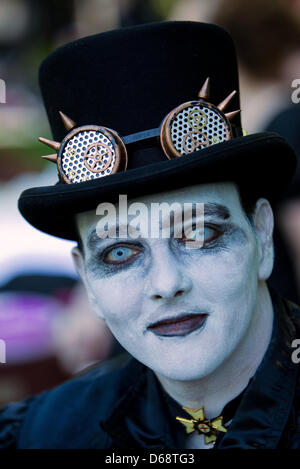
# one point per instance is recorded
(92, 151)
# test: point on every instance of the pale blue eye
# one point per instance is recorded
(208, 233)
(200, 235)
(120, 254)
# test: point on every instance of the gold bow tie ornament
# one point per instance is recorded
(208, 428)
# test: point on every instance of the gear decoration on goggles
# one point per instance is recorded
(195, 125)
(87, 152)
(92, 151)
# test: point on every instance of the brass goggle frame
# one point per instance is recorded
(92, 151)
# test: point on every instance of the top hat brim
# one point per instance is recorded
(261, 164)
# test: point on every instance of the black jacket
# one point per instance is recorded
(127, 408)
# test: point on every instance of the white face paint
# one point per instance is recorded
(152, 280)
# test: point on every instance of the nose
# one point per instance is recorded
(167, 276)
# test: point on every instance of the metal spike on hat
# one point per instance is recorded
(69, 124)
(231, 115)
(205, 90)
(50, 143)
(222, 106)
(52, 158)
(67, 121)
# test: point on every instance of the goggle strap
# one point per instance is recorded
(144, 135)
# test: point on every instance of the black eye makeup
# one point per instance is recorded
(215, 237)
(124, 254)
(105, 261)
(207, 235)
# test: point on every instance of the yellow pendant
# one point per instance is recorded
(208, 428)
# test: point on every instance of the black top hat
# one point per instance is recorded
(138, 124)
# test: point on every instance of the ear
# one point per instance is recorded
(79, 263)
(263, 222)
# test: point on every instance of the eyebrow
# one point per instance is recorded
(216, 210)
(210, 210)
(93, 240)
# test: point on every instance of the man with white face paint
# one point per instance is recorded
(192, 316)
(210, 345)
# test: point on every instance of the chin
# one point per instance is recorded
(187, 370)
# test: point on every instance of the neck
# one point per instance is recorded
(232, 376)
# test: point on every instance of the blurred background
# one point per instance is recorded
(45, 320)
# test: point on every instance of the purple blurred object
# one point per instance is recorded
(26, 326)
